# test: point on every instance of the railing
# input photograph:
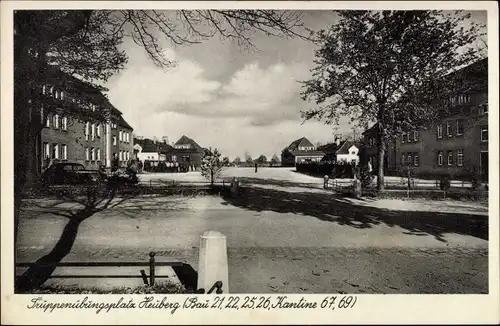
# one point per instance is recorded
(402, 183)
(147, 279)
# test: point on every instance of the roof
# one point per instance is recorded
(306, 153)
(302, 142)
(123, 123)
(344, 149)
(184, 140)
(329, 148)
(79, 88)
(149, 146)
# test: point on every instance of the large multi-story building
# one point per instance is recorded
(456, 145)
(80, 125)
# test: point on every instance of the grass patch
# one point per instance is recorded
(160, 288)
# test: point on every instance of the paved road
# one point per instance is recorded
(283, 239)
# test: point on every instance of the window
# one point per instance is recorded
(87, 153)
(416, 162)
(62, 95)
(448, 129)
(92, 154)
(409, 158)
(450, 158)
(440, 158)
(56, 121)
(93, 131)
(47, 121)
(128, 138)
(46, 150)
(120, 135)
(56, 94)
(64, 152)
(484, 134)
(402, 159)
(64, 123)
(460, 157)
(415, 135)
(403, 138)
(44, 89)
(87, 127)
(174, 158)
(98, 130)
(440, 131)
(114, 140)
(55, 151)
(98, 154)
(460, 127)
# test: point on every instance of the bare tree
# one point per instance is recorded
(85, 44)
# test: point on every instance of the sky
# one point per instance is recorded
(225, 96)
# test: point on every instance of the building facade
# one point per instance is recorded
(300, 151)
(348, 152)
(185, 152)
(79, 125)
(456, 145)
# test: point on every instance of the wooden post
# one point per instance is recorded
(152, 268)
(144, 277)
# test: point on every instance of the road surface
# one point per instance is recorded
(285, 237)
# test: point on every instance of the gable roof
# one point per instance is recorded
(344, 149)
(184, 140)
(123, 123)
(330, 148)
(301, 142)
(149, 146)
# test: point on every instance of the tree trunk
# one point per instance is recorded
(380, 160)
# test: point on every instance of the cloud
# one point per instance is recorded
(264, 95)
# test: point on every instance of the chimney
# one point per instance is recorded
(165, 139)
(338, 139)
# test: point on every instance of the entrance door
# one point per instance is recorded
(484, 166)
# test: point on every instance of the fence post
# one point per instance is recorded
(212, 265)
(325, 182)
(152, 268)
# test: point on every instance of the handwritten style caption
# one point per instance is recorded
(173, 304)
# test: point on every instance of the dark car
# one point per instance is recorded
(69, 173)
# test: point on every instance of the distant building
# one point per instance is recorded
(455, 145)
(185, 151)
(330, 149)
(299, 151)
(348, 152)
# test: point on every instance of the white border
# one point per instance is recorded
(391, 309)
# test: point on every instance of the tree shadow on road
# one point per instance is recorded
(332, 208)
(76, 208)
